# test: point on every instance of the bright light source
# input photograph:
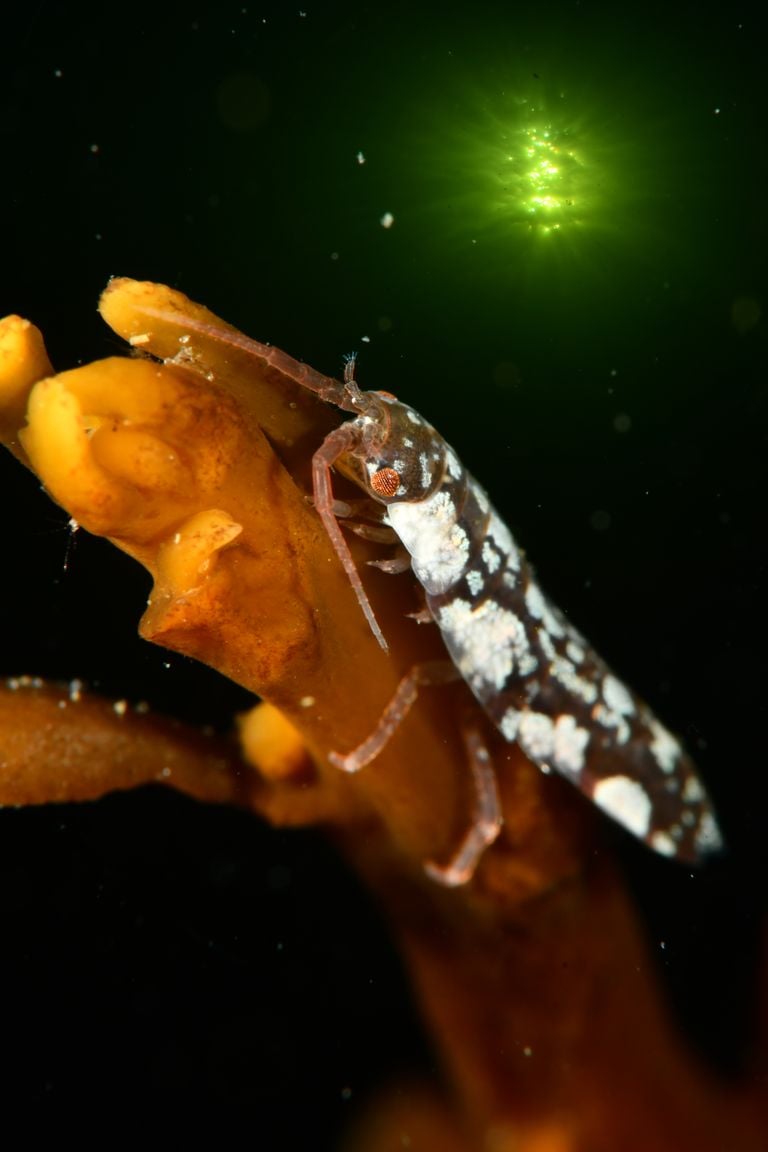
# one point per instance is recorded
(541, 177)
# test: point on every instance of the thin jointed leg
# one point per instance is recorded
(486, 817)
(420, 676)
(486, 809)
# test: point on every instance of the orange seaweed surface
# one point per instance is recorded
(194, 459)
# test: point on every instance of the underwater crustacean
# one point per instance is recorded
(534, 674)
(533, 975)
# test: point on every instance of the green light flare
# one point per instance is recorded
(541, 179)
(532, 170)
(548, 184)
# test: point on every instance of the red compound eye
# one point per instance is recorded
(385, 482)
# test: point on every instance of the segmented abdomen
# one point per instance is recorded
(537, 678)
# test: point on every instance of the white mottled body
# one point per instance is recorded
(533, 673)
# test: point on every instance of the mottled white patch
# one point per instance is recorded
(540, 610)
(570, 744)
(617, 696)
(547, 647)
(491, 558)
(626, 801)
(510, 722)
(453, 464)
(509, 579)
(500, 534)
(708, 838)
(531, 689)
(536, 735)
(439, 546)
(611, 719)
(412, 416)
(513, 559)
(475, 580)
(407, 442)
(693, 793)
(565, 673)
(534, 601)
(398, 466)
(480, 496)
(665, 748)
(488, 643)
(575, 652)
(664, 844)
(426, 470)
(561, 741)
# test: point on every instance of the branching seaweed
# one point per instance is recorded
(195, 460)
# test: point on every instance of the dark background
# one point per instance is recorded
(169, 966)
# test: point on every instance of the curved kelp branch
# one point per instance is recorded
(195, 459)
(61, 744)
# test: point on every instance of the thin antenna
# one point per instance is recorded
(325, 387)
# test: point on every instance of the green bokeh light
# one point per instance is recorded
(564, 184)
(513, 170)
(543, 178)
(534, 180)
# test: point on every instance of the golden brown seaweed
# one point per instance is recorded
(533, 977)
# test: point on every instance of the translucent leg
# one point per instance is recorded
(380, 534)
(340, 440)
(486, 817)
(400, 562)
(352, 512)
(420, 676)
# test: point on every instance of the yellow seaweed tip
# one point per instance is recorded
(23, 358)
(58, 446)
(271, 743)
(23, 361)
(184, 561)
